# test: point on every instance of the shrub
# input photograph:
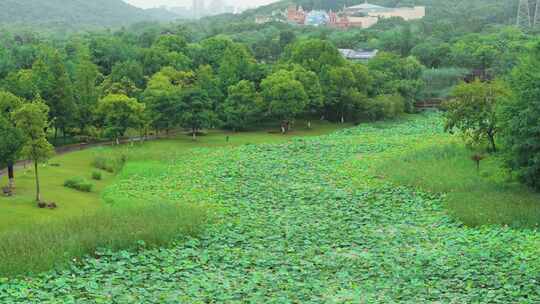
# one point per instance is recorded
(96, 175)
(385, 106)
(110, 163)
(43, 246)
(79, 183)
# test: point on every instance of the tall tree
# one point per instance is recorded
(11, 139)
(31, 119)
(242, 106)
(86, 92)
(341, 94)
(196, 110)
(522, 120)
(119, 113)
(474, 109)
(284, 97)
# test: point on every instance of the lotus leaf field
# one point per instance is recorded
(301, 222)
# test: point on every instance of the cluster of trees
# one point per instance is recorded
(103, 84)
(114, 82)
(229, 72)
(23, 127)
(506, 113)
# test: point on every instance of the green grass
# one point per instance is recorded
(20, 210)
(487, 197)
(41, 247)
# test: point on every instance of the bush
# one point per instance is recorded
(79, 183)
(110, 163)
(44, 246)
(96, 175)
(385, 106)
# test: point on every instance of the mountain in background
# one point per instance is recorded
(76, 14)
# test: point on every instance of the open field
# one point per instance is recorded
(20, 210)
(306, 221)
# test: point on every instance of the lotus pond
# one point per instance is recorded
(306, 221)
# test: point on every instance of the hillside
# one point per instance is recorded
(75, 13)
(476, 11)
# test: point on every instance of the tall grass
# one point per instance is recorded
(45, 246)
(487, 197)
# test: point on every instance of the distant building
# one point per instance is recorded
(358, 55)
(296, 14)
(316, 18)
(366, 15)
(261, 19)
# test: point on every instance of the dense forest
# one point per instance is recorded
(226, 71)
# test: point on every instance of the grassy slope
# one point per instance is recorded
(20, 210)
(442, 164)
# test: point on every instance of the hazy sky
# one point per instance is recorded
(188, 3)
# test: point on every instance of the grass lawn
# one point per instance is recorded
(21, 211)
(440, 163)
(485, 197)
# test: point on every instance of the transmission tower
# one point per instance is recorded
(536, 21)
(524, 14)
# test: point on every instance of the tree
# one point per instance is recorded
(314, 55)
(394, 74)
(86, 92)
(31, 119)
(131, 70)
(286, 37)
(163, 96)
(11, 139)
(242, 107)
(312, 87)
(195, 110)
(119, 113)
(284, 96)
(210, 83)
(474, 108)
(234, 65)
(56, 88)
(21, 83)
(342, 96)
(522, 120)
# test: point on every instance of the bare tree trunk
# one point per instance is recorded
(38, 192)
(194, 133)
(11, 176)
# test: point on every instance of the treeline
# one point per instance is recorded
(113, 82)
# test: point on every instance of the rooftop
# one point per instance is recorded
(358, 54)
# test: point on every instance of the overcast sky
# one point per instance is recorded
(188, 3)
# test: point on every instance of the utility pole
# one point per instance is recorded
(524, 14)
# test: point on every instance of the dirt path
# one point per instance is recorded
(84, 146)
